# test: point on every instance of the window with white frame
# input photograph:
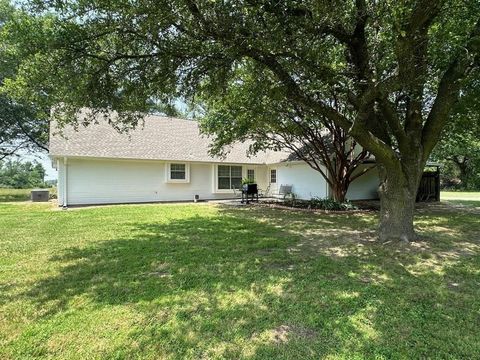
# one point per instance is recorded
(178, 172)
(251, 174)
(273, 176)
(229, 177)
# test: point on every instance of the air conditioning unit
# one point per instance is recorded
(39, 195)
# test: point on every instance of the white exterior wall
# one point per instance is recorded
(307, 183)
(365, 187)
(101, 181)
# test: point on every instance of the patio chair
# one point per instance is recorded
(285, 190)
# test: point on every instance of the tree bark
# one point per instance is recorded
(339, 191)
(398, 192)
(462, 165)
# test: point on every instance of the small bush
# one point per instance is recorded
(320, 204)
(247, 181)
(330, 204)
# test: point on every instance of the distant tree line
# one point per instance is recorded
(21, 175)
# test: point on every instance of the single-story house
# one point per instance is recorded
(167, 159)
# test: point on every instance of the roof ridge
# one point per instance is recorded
(170, 118)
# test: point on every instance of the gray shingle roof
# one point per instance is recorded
(160, 138)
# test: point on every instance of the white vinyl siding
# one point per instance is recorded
(364, 187)
(306, 182)
(102, 181)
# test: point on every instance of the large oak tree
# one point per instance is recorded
(399, 66)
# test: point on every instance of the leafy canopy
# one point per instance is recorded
(459, 149)
(120, 55)
(387, 72)
(23, 126)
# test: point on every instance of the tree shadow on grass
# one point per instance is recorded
(267, 284)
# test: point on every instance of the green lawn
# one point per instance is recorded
(8, 195)
(14, 194)
(461, 197)
(209, 281)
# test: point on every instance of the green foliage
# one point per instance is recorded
(321, 204)
(246, 181)
(251, 110)
(23, 125)
(21, 175)
(127, 57)
(330, 204)
(450, 176)
(171, 109)
(459, 148)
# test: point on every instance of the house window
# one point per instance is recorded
(229, 177)
(273, 176)
(251, 174)
(177, 172)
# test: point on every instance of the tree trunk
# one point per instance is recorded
(339, 191)
(463, 167)
(398, 193)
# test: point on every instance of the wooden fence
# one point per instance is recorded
(429, 189)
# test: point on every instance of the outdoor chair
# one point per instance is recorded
(285, 190)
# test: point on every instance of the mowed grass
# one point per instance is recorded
(209, 281)
(14, 194)
(8, 195)
(461, 197)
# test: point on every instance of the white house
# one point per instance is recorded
(167, 159)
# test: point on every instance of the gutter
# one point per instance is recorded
(64, 185)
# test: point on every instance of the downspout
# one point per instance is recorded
(65, 174)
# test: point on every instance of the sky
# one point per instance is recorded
(42, 157)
